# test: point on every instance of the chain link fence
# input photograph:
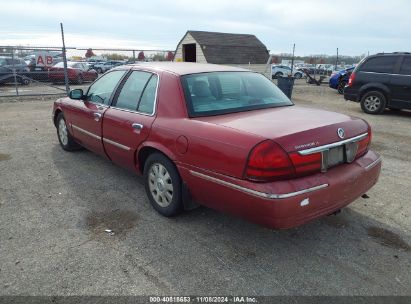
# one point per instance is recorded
(42, 71)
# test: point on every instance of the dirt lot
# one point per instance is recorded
(55, 206)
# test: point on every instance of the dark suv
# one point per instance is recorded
(381, 81)
(7, 67)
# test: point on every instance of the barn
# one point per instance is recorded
(241, 50)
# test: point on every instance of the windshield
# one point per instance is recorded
(228, 92)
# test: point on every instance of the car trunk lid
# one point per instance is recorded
(295, 128)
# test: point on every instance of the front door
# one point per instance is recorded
(128, 122)
(86, 116)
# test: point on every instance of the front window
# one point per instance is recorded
(102, 89)
(228, 92)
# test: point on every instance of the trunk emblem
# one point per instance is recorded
(341, 133)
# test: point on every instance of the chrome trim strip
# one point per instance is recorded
(131, 111)
(116, 144)
(255, 192)
(374, 163)
(333, 145)
(86, 132)
(394, 74)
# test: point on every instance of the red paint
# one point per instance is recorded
(56, 74)
(220, 147)
(182, 144)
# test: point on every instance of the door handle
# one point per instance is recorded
(137, 126)
(97, 116)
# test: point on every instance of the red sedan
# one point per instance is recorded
(224, 137)
(77, 72)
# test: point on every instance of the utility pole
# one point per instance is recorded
(64, 60)
(336, 60)
(292, 60)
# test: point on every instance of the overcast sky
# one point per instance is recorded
(317, 27)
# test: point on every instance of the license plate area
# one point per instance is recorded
(338, 155)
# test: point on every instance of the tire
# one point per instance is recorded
(67, 142)
(163, 185)
(298, 75)
(80, 79)
(99, 70)
(373, 102)
(341, 86)
(25, 81)
(278, 74)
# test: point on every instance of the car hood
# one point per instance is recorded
(294, 127)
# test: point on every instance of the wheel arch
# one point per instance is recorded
(148, 148)
(375, 87)
(56, 114)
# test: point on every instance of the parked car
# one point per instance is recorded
(77, 72)
(232, 141)
(282, 70)
(381, 81)
(9, 67)
(92, 62)
(339, 80)
(103, 67)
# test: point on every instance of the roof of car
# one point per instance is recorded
(184, 68)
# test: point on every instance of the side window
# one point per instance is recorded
(132, 90)
(101, 90)
(148, 98)
(406, 66)
(382, 64)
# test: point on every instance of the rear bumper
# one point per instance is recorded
(351, 94)
(285, 204)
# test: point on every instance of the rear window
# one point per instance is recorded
(228, 92)
(382, 64)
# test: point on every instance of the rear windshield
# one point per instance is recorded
(228, 92)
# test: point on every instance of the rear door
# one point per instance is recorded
(401, 84)
(377, 70)
(128, 122)
(85, 116)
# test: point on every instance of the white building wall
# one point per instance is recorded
(187, 40)
(259, 68)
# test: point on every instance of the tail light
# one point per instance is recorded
(306, 164)
(268, 162)
(364, 144)
(351, 79)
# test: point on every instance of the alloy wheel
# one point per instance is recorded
(372, 103)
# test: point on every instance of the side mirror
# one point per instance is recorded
(76, 94)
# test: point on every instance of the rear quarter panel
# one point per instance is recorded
(192, 142)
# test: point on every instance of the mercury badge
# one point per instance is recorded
(341, 133)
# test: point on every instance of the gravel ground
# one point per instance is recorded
(55, 207)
